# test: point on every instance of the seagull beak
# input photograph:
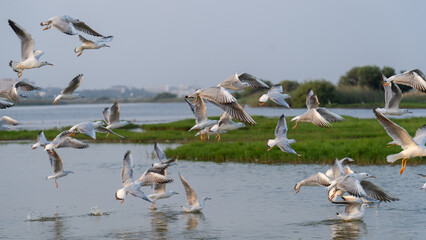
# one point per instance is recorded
(386, 84)
(107, 46)
(261, 104)
(372, 176)
(50, 64)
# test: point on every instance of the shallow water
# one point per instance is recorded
(249, 201)
(45, 117)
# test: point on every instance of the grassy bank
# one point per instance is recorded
(362, 139)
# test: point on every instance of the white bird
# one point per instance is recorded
(62, 140)
(90, 129)
(191, 197)
(56, 163)
(5, 104)
(224, 124)
(9, 88)
(200, 113)
(402, 138)
(162, 157)
(413, 78)
(88, 44)
(239, 82)
(353, 211)
(275, 94)
(5, 120)
(424, 185)
(68, 92)
(149, 177)
(224, 100)
(207, 131)
(41, 141)
(393, 97)
(69, 25)
(281, 139)
(30, 58)
(112, 117)
(315, 114)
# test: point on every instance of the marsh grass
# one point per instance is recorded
(364, 140)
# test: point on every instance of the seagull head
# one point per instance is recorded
(263, 99)
(366, 175)
(270, 144)
(120, 195)
(206, 198)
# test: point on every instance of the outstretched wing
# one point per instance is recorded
(81, 26)
(191, 196)
(73, 85)
(27, 42)
(127, 170)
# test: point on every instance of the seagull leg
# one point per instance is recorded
(122, 201)
(404, 162)
(81, 52)
(391, 145)
(20, 73)
(269, 149)
(218, 136)
(152, 206)
(56, 183)
(295, 125)
(107, 135)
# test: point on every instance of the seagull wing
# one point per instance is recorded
(42, 139)
(114, 116)
(396, 96)
(160, 153)
(420, 137)
(329, 116)
(81, 26)
(84, 40)
(337, 169)
(413, 78)
(24, 86)
(191, 196)
(27, 42)
(376, 192)
(281, 128)
(351, 185)
(127, 170)
(138, 193)
(352, 208)
(397, 133)
(252, 81)
(232, 83)
(73, 85)
(200, 111)
(311, 100)
(237, 112)
(106, 112)
(5, 104)
(224, 118)
(217, 94)
(71, 143)
(150, 178)
(55, 161)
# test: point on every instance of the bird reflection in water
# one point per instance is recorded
(193, 220)
(160, 221)
(347, 229)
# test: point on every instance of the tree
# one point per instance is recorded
(366, 76)
(163, 96)
(325, 91)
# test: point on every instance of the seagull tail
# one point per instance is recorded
(393, 157)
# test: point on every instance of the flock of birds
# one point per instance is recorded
(340, 180)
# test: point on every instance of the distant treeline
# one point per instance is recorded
(360, 86)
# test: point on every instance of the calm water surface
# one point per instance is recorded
(45, 117)
(249, 201)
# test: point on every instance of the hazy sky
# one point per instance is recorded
(202, 42)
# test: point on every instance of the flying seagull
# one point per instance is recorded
(68, 92)
(10, 88)
(56, 163)
(413, 78)
(275, 94)
(317, 115)
(239, 82)
(30, 58)
(200, 113)
(5, 120)
(90, 129)
(281, 139)
(112, 117)
(88, 44)
(393, 97)
(69, 25)
(401, 137)
(191, 197)
(353, 211)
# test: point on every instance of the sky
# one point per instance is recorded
(201, 43)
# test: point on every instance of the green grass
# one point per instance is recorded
(361, 139)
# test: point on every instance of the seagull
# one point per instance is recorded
(413, 78)
(275, 94)
(62, 140)
(69, 25)
(393, 97)
(424, 185)
(88, 44)
(160, 188)
(281, 139)
(90, 129)
(162, 157)
(9, 88)
(402, 138)
(225, 124)
(207, 131)
(191, 197)
(239, 82)
(30, 58)
(56, 163)
(317, 115)
(5, 120)
(68, 92)
(41, 141)
(149, 177)
(223, 99)
(112, 117)
(353, 211)
(5, 104)
(200, 113)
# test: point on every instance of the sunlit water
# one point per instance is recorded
(45, 117)
(249, 201)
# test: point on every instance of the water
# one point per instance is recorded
(45, 117)
(249, 201)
